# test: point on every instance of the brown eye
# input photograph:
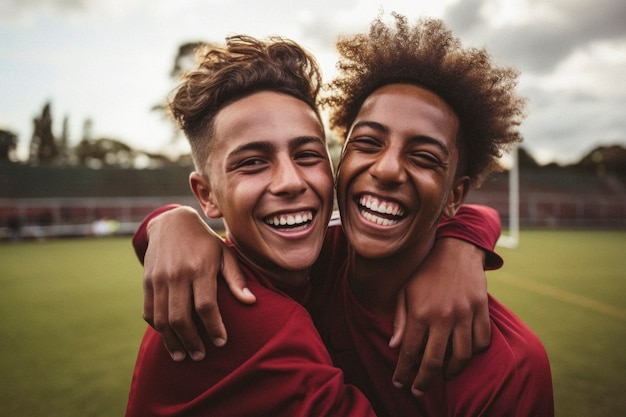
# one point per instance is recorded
(426, 159)
(308, 155)
(252, 164)
(365, 144)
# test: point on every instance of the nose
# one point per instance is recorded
(388, 168)
(287, 178)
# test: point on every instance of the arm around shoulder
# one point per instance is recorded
(478, 225)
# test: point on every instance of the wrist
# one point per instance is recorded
(171, 219)
(460, 249)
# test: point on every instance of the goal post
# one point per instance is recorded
(511, 239)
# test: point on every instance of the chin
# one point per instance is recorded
(296, 263)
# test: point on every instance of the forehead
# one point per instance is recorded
(266, 115)
(412, 109)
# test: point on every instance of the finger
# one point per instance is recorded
(410, 353)
(172, 344)
(461, 349)
(160, 321)
(148, 303)
(206, 305)
(180, 319)
(431, 366)
(234, 278)
(160, 312)
(399, 321)
(481, 336)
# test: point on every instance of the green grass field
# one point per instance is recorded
(71, 325)
(570, 288)
(71, 320)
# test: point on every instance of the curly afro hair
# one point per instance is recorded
(428, 55)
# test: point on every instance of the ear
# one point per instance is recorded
(205, 195)
(457, 196)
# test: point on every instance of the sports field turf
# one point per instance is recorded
(71, 320)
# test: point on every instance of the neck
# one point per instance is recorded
(279, 276)
(376, 282)
(286, 278)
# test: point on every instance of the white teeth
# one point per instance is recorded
(290, 219)
(384, 207)
(377, 219)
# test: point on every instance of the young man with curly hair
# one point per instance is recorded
(425, 119)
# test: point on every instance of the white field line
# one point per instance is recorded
(562, 295)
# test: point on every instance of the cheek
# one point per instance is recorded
(324, 180)
(433, 191)
(240, 194)
(346, 168)
(341, 186)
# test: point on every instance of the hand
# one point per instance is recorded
(446, 301)
(181, 265)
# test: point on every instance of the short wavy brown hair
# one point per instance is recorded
(428, 55)
(243, 66)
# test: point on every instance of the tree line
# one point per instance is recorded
(48, 149)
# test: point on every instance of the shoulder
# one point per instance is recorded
(512, 375)
(260, 321)
(514, 336)
(515, 349)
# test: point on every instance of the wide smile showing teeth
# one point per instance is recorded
(293, 221)
(383, 213)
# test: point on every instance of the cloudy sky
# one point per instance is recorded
(109, 60)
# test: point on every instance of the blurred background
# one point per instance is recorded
(83, 135)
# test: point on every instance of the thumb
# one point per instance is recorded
(399, 321)
(234, 278)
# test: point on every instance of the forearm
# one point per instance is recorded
(478, 225)
(140, 237)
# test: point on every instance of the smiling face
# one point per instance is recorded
(397, 174)
(269, 176)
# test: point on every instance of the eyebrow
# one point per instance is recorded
(303, 140)
(266, 146)
(418, 138)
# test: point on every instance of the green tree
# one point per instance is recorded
(8, 146)
(104, 152)
(43, 147)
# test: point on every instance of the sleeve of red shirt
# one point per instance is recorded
(511, 378)
(274, 364)
(140, 237)
(479, 225)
